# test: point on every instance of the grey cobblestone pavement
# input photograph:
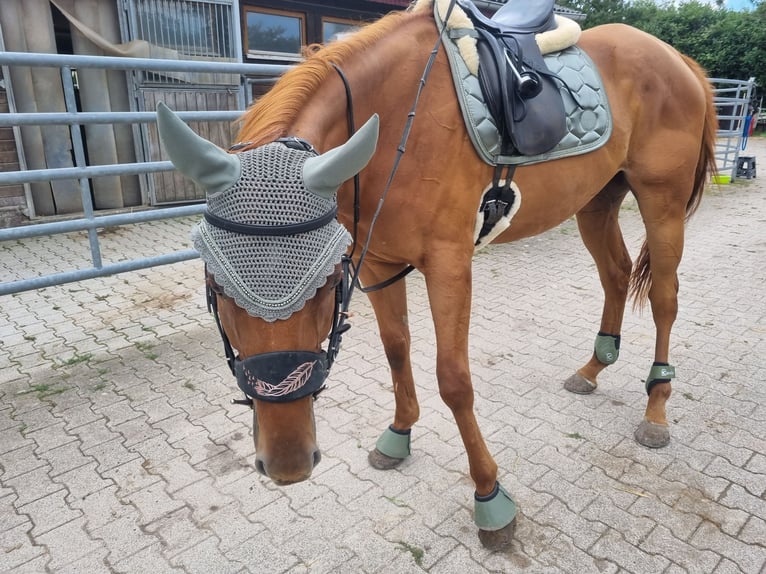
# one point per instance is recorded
(120, 451)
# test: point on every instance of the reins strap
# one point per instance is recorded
(212, 307)
(400, 152)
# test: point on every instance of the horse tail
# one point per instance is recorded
(641, 277)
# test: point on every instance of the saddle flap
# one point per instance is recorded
(531, 125)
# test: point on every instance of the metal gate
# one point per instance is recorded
(200, 30)
(732, 98)
(82, 172)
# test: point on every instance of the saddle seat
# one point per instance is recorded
(515, 16)
(522, 94)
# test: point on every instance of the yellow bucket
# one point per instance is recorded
(722, 178)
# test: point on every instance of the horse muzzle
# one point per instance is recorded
(285, 441)
(288, 470)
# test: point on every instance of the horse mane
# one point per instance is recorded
(271, 115)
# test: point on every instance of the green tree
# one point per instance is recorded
(727, 44)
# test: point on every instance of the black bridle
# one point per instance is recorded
(284, 376)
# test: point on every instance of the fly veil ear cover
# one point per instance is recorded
(272, 185)
(216, 170)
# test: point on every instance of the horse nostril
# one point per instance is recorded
(317, 456)
(260, 467)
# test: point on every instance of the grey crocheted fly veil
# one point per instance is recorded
(270, 277)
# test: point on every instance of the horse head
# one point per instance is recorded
(272, 249)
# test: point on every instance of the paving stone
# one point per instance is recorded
(202, 498)
(94, 434)
(176, 473)
(65, 458)
(123, 537)
(131, 476)
(614, 548)
(20, 461)
(51, 437)
(153, 502)
(48, 512)
(747, 558)
(9, 517)
(118, 413)
(585, 532)
(110, 454)
(662, 542)
(102, 507)
(18, 549)
(68, 543)
(14, 438)
(82, 481)
(632, 528)
(32, 485)
(93, 563)
(149, 559)
(205, 557)
(178, 531)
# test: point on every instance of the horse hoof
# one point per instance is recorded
(381, 461)
(652, 435)
(498, 539)
(579, 385)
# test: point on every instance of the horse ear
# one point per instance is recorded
(195, 157)
(323, 174)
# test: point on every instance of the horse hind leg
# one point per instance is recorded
(664, 221)
(601, 234)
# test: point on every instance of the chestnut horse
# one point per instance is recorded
(661, 149)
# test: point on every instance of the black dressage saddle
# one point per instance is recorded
(522, 94)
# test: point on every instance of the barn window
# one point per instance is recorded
(275, 33)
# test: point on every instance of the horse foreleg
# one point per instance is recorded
(390, 306)
(600, 232)
(449, 292)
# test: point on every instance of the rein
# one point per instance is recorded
(303, 373)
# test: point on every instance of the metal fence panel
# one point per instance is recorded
(91, 222)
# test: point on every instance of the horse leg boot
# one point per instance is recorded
(601, 234)
(449, 292)
(390, 306)
(665, 242)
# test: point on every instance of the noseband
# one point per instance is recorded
(283, 376)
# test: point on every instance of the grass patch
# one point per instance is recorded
(417, 553)
(44, 390)
(689, 397)
(189, 385)
(575, 435)
(146, 349)
(99, 386)
(29, 337)
(396, 502)
(76, 359)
